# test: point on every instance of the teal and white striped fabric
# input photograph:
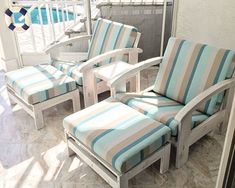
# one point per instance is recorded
(189, 68)
(69, 69)
(39, 83)
(118, 134)
(109, 35)
(159, 108)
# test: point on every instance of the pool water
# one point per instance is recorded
(35, 16)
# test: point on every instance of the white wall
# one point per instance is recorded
(9, 56)
(207, 21)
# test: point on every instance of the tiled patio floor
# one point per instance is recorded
(31, 158)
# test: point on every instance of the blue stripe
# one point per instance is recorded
(221, 67)
(93, 36)
(44, 71)
(104, 37)
(123, 150)
(173, 66)
(114, 46)
(169, 121)
(218, 75)
(94, 116)
(132, 120)
(193, 72)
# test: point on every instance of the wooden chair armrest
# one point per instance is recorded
(204, 96)
(135, 70)
(67, 42)
(97, 59)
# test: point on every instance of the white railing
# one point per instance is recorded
(133, 1)
(50, 20)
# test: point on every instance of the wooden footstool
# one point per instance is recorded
(117, 141)
(36, 88)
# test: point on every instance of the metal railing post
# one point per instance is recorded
(163, 27)
(87, 4)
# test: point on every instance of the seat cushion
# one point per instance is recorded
(71, 70)
(159, 108)
(39, 83)
(109, 35)
(116, 133)
(189, 68)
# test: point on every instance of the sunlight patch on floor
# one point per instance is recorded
(47, 167)
(76, 163)
(2, 109)
(16, 108)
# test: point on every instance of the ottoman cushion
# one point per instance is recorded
(117, 133)
(39, 83)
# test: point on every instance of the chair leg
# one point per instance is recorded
(123, 183)
(76, 101)
(69, 150)
(182, 153)
(89, 88)
(12, 102)
(38, 116)
(165, 159)
(133, 84)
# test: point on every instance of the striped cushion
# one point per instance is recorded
(110, 35)
(122, 142)
(39, 83)
(190, 68)
(159, 108)
(71, 70)
(107, 36)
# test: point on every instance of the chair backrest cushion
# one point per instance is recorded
(109, 35)
(189, 68)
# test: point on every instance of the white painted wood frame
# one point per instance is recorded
(225, 163)
(113, 177)
(186, 136)
(36, 110)
(89, 80)
(91, 88)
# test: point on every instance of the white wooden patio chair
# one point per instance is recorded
(110, 42)
(192, 93)
(39, 87)
(190, 98)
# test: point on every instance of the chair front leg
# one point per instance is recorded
(135, 81)
(182, 150)
(228, 106)
(38, 116)
(122, 182)
(89, 88)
